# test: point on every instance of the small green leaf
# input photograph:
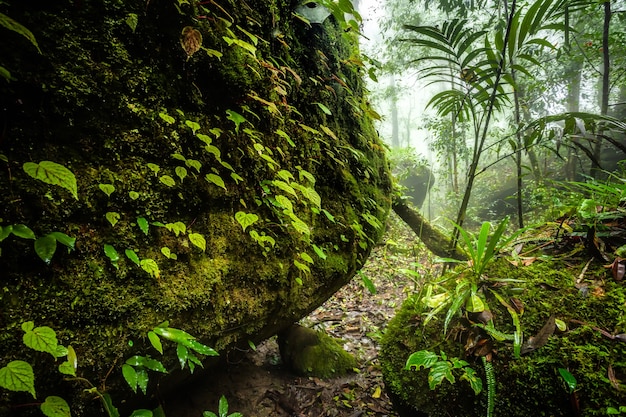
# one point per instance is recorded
(192, 163)
(199, 347)
(41, 339)
(215, 179)
(222, 407)
(54, 174)
(113, 217)
(319, 252)
(438, 372)
(324, 108)
(22, 231)
(284, 202)
(134, 195)
(131, 20)
(197, 240)
(112, 254)
(63, 239)
(66, 368)
(153, 167)
(181, 172)
(235, 118)
(130, 254)
(367, 283)
(130, 375)
(108, 189)
(302, 267)
(143, 224)
(246, 219)
(167, 118)
(72, 358)
(55, 407)
(306, 257)
(5, 231)
(173, 334)
(474, 304)
(167, 180)
(151, 267)
(423, 358)
(183, 355)
(155, 341)
(9, 23)
(194, 126)
(45, 247)
(560, 324)
(177, 228)
(569, 379)
(18, 376)
(142, 380)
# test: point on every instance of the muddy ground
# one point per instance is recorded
(260, 386)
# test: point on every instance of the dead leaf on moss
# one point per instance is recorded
(524, 261)
(191, 40)
(541, 338)
(612, 378)
(618, 268)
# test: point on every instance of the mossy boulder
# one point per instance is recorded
(309, 352)
(216, 164)
(531, 384)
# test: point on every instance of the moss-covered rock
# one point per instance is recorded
(248, 182)
(313, 353)
(531, 384)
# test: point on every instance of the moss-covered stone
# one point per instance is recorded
(532, 384)
(124, 105)
(313, 353)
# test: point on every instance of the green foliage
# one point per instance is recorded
(482, 250)
(108, 189)
(443, 368)
(222, 410)
(135, 369)
(569, 379)
(55, 406)
(18, 376)
(491, 386)
(45, 246)
(53, 173)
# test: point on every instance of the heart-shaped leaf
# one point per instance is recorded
(246, 219)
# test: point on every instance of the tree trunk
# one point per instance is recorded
(436, 241)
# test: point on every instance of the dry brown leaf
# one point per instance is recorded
(614, 381)
(191, 40)
(541, 338)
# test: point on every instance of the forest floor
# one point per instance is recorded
(260, 386)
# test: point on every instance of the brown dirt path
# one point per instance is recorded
(259, 386)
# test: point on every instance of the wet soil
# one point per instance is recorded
(260, 386)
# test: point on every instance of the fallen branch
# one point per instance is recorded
(434, 239)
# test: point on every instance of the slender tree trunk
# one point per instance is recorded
(395, 137)
(604, 99)
(574, 77)
(518, 157)
(480, 142)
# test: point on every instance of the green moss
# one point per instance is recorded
(531, 384)
(312, 353)
(91, 102)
